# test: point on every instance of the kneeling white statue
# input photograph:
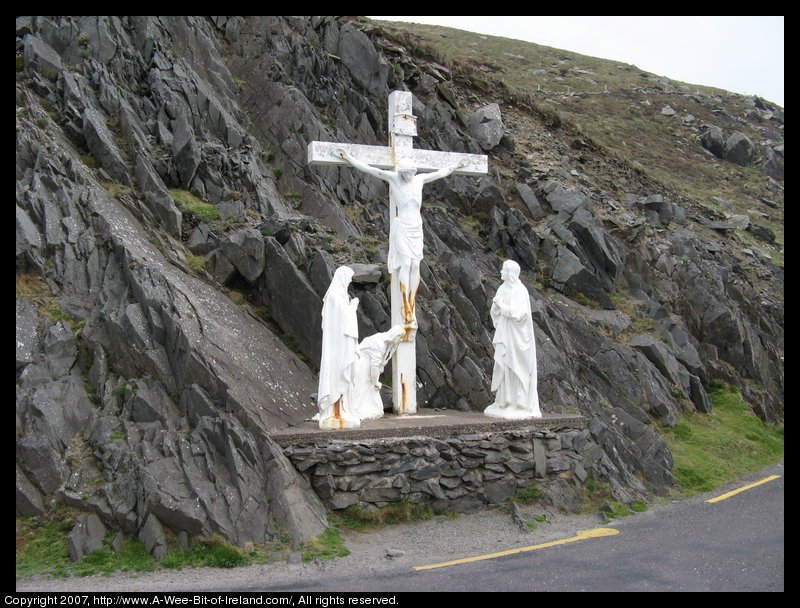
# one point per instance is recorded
(339, 352)
(373, 354)
(514, 376)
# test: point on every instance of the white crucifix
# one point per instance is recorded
(406, 170)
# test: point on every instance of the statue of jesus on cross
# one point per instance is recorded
(406, 170)
(405, 233)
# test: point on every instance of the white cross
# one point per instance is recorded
(402, 129)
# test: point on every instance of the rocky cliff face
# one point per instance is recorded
(172, 248)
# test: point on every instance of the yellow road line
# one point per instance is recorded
(582, 535)
(743, 488)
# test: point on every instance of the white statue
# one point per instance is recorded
(374, 353)
(514, 374)
(405, 234)
(339, 350)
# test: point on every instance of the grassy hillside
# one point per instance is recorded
(617, 109)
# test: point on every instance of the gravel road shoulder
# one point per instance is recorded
(397, 547)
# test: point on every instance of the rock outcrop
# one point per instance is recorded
(172, 248)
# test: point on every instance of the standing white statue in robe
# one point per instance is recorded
(339, 349)
(514, 376)
(405, 234)
(373, 354)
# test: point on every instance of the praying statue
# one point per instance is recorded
(339, 352)
(373, 354)
(514, 374)
(405, 232)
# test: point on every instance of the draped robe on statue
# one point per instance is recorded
(339, 348)
(514, 376)
(373, 354)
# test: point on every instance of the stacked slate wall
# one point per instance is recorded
(463, 472)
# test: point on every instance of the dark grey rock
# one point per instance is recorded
(774, 162)
(569, 275)
(202, 240)
(293, 302)
(29, 499)
(565, 201)
(658, 354)
(41, 463)
(561, 495)
(185, 151)
(762, 233)
(496, 492)
(739, 149)
(40, 57)
(486, 126)
(528, 197)
(366, 273)
(713, 140)
(219, 266)
(245, 250)
(27, 334)
(699, 396)
(293, 502)
(153, 537)
(86, 536)
(157, 197)
(101, 144)
(367, 66)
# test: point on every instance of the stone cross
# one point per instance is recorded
(406, 170)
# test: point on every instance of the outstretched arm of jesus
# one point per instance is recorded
(430, 177)
(362, 166)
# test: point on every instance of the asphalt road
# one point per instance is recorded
(736, 544)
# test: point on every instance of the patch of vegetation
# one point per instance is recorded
(195, 262)
(596, 497)
(41, 548)
(35, 290)
(710, 450)
(203, 211)
(213, 552)
(119, 391)
(328, 545)
(291, 343)
(361, 520)
(239, 298)
(116, 189)
(529, 494)
(90, 161)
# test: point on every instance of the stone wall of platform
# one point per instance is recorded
(463, 472)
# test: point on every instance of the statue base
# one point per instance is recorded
(510, 412)
(333, 423)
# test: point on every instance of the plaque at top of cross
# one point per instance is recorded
(406, 170)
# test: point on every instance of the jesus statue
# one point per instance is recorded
(405, 233)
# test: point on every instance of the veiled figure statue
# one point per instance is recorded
(339, 352)
(514, 376)
(373, 354)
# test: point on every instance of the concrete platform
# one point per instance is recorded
(440, 424)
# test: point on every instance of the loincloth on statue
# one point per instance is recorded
(405, 241)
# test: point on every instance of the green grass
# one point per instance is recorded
(328, 545)
(41, 549)
(714, 449)
(187, 201)
(211, 552)
(529, 494)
